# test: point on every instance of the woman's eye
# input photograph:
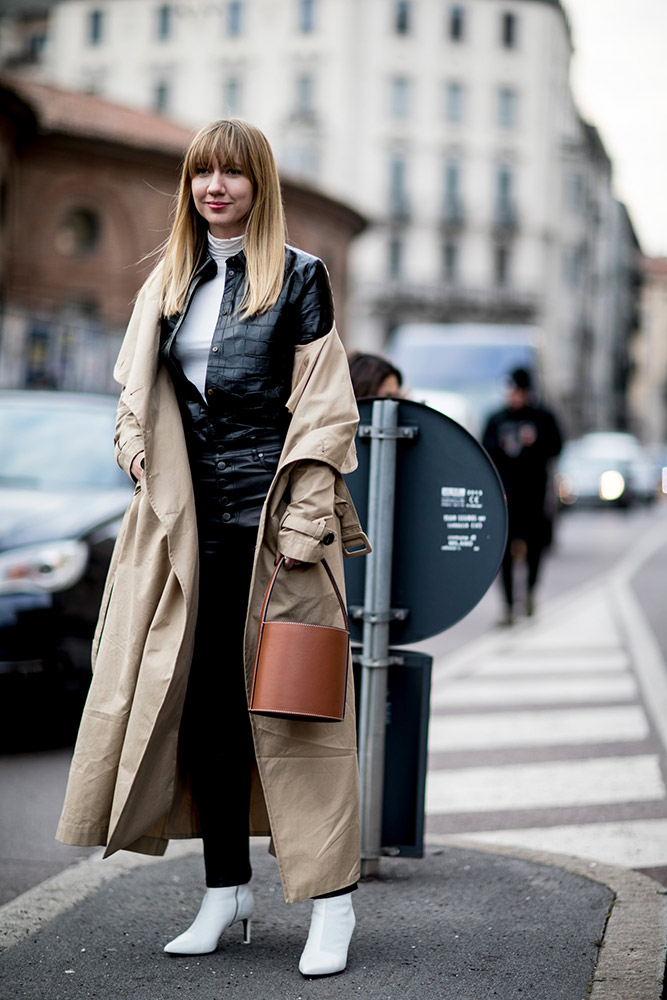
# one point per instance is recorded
(234, 171)
(201, 170)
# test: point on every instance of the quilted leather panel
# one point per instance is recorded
(250, 365)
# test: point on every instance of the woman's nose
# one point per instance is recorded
(217, 181)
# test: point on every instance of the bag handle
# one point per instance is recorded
(272, 581)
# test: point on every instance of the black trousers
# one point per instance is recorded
(534, 550)
(215, 737)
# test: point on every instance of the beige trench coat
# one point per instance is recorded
(125, 790)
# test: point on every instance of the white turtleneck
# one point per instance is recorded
(193, 340)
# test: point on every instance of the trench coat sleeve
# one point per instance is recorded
(128, 439)
(308, 519)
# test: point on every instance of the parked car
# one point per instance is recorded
(603, 469)
(62, 498)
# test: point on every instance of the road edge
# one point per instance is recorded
(633, 952)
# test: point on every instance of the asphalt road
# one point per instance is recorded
(587, 545)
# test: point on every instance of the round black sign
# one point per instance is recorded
(450, 523)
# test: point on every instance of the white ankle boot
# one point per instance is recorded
(220, 909)
(331, 927)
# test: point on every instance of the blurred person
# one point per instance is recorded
(373, 375)
(236, 420)
(522, 440)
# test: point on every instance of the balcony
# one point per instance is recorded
(404, 301)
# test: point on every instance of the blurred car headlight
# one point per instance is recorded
(50, 567)
(612, 485)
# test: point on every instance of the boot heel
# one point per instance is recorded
(246, 930)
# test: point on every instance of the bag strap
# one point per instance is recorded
(272, 581)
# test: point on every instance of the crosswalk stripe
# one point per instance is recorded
(591, 625)
(548, 661)
(545, 785)
(493, 730)
(629, 843)
(478, 691)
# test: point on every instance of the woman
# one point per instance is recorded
(236, 420)
(373, 375)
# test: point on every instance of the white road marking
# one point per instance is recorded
(546, 785)
(546, 660)
(539, 691)
(631, 843)
(588, 624)
(493, 730)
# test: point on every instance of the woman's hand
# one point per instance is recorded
(289, 563)
(137, 467)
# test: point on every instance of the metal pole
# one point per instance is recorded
(377, 609)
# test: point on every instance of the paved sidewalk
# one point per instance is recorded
(461, 924)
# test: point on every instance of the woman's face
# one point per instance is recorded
(389, 386)
(223, 196)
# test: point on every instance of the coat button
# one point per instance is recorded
(226, 516)
(222, 465)
(230, 272)
(215, 350)
(328, 538)
(209, 392)
(224, 501)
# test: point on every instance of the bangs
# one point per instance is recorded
(222, 144)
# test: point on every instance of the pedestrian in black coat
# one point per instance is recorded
(523, 439)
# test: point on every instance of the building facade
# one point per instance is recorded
(86, 190)
(450, 125)
(648, 397)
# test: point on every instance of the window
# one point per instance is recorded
(234, 17)
(306, 16)
(508, 30)
(78, 234)
(501, 265)
(456, 22)
(164, 22)
(507, 106)
(161, 96)
(400, 97)
(505, 212)
(395, 261)
(454, 102)
(232, 95)
(402, 16)
(95, 27)
(305, 94)
(450, 259)
(574, 191)
(398, 196)
(452, 201)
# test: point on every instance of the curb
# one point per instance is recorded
(633, 951)
(631, 958)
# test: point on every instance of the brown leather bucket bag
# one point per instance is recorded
(300, 669)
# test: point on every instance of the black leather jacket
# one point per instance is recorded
(235, 432)
(248, 378)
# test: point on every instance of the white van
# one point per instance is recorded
(461, 369)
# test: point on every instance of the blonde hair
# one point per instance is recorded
(229, 142)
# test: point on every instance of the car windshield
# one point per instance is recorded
(48, 444)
